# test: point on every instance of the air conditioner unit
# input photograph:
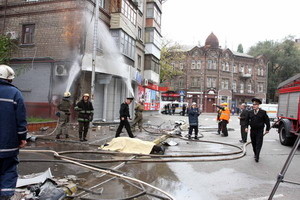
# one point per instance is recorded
(13, 35)
(60, 70)
(145, 82)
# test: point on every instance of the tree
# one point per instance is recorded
(6, 46)
(240, 48)
(170, 53)
(283, 62)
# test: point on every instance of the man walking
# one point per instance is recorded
(124, 116)
(257, 119)
(85, 116)
(64, 115)
(138, 120)
(193, 113)
(243, 117)
(13, 131)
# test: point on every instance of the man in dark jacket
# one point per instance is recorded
(243, 117)
(193, 113)
(64, 115)
(85, 116)
(257, 119)
(12, 131)
(124, 116)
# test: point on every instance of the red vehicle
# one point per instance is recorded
(289, 110)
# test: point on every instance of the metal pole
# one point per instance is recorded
(285, 167)
(95, 42)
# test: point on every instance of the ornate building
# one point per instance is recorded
(214, 75)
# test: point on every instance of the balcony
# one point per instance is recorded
(244, 75)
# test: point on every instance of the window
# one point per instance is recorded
(181, 66)
(126, 43)
(129, 11)
(209, 64)
(180, 83)
(140, 33)
(193, 64)
(250, 88)
(223, 66)
(249, 70)
(225, 84)
(152, 36)
(153, 12)
(196, 81)
(227, 66)
(234, 86)
(211, 82)
(260, 87)
(241, 87)
(242, 70)
(258, 71)
(199, 64)
(262, 72)
(139, 62)
(234, 68)
(212, 64)
(28, 34)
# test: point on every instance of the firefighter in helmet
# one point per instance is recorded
(64, 115)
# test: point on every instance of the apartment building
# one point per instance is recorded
(54, 52)
(214, 75)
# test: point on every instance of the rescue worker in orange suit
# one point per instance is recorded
(223, 118)
(257, 119)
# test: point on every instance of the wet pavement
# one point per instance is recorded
(234, 179)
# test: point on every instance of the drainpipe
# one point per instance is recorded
(95, 41)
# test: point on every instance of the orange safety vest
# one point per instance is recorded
(225, 114)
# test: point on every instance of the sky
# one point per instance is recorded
(234, 22)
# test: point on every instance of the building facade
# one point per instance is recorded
(54, 51)
(215, 75)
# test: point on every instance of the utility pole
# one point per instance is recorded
(95, 42)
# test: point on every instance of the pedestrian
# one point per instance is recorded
(166, 107)
(183, 109)
(257, 119)
(232, 111)
(138, 120)
(173, 109)
(13, 131)
(64, 115)
(85, 116)
(243, 117)
(193, 114)
(170, 109)
(223, 118)
(124, 116)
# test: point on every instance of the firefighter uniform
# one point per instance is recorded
(64, 116)
(13, 131)
(138, 120)
(257, 119)
(85, 116)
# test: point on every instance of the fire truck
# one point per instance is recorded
(289, 110)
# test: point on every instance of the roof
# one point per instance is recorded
(288, 81)
(212, 41)
(241, 54)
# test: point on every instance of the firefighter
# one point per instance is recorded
(85, 116)
(124, 116)
(257, 119)
(13, 131)
(223, 118)
(139, 108)
(64, 115)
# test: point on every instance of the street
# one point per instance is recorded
(225, 180)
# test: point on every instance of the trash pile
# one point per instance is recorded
(43, 186)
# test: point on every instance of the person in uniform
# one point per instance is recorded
(13, 131)
(243, 117)
(124, 116)
(257, 119)
(85, 116)
(138, 120)
(193, 114)
(64, 115)
(223, 118)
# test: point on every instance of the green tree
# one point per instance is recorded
(6, 46)
(240, 48)
(283, 62)
(170, 53)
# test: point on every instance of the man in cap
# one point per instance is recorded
(193, 114)
(138, 120)
(124, 116)
(64, 115)
(243, 117)
(13, 131)
(257, 119)
(223, 118)
(85, 116)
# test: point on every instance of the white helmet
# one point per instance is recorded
(67, 94)
(6, 72)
